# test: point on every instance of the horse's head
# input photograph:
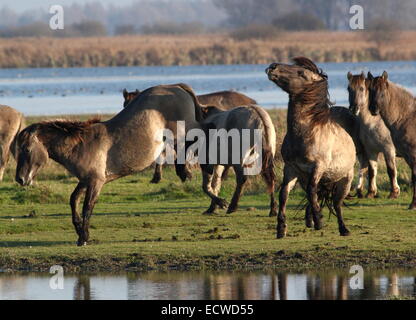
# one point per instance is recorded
(32, 155)
(379, 93)
(208, 111)
(129, 96)
(358, 92)
(296, 77)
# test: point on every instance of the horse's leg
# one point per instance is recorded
(157, 175)
(268, 176)
(308, 216)
(413, 204)
(339, 194)
(207, 187)
(241, 179)
(215, 186)
(363, 161)
(4, 157)
(312, 195)
(74, 201)
(289, 181)
(182, 171)
(390, 157)
(91, 196)
(225, 173)
(372, 176)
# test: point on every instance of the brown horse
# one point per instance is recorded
(374, 135)
(99, 152)
(251, 118)
(317, 150)
(224, 100)
(11, 123)
(397, 108)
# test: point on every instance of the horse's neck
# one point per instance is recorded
(299, 122)
(402, 105)
(365, 114)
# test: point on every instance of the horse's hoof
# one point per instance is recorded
(317, 225)
(394, 195)
(155, 180)
(412, 206)
(308, 223)
(360, 194)
(349, 197)
(273, 213)
(231, 210)
(344, 232)
(209, 213)
(371, 195)
(222, 203)
(188, 175)
(81, 243)
(281, 232)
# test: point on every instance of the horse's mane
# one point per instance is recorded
(69, 129)
(315, 96)
(310, 65)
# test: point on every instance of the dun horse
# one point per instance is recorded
(250, 118)
(374, 135)
(317, 150)
(99, 152)
(397, 108)
(224, 100)
(11, 122)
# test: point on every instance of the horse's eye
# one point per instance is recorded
(361, 89)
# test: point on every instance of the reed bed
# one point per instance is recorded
(200, 50)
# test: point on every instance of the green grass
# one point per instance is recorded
(142, 226)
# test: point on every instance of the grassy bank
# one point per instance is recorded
(140, 226)
(321, 46)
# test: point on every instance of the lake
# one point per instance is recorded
(58, 91)
(255, 285)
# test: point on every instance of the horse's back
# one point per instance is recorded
(11, 122)
(226, 100)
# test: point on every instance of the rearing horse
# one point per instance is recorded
(317, 149)
(99, 152)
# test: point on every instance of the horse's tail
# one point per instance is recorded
(197, 104)
(268, 147)
(13, 146)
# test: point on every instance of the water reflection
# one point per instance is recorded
(328, 285)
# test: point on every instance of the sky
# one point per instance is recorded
(22, 5)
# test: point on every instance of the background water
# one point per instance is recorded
(98, 90)
(329, 285)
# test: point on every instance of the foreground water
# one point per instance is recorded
(98, 90)
(335, 284)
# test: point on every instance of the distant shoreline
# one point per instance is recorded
(205, 49)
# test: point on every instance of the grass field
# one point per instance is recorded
(141, 226)
(322, 46)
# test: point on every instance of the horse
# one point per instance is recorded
(99, 152)
(250, 117)
(397, 108)
(375, 137)
(224, 100)
(317, 150)
(11, 123)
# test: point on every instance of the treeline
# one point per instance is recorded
(242, 19)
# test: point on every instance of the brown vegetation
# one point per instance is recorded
(320, 46)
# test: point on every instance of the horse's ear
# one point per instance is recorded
(125, 93)
(362, 75)
(385, 76)
(349, 75)
(137, 91)
(370, 76)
